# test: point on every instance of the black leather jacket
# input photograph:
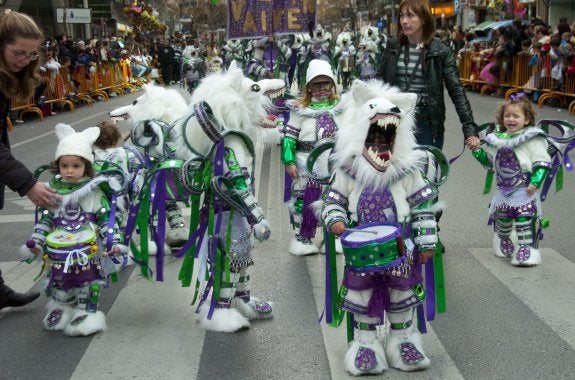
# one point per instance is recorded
(439, 69)
(13, 173)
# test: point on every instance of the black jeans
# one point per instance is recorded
(423, 130)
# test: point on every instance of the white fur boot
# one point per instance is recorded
(527, 255)
(153, 249)
(505, 247)
(504, 239)
(302, 247)
(85, 323)
(365, 355)
(177, 236)
(223, 319)
(404, 349)
(250, 307)
(58, 314)
(254, 308)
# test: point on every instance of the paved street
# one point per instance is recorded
(502, 322)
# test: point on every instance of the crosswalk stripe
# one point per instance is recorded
(151, 332)
(20, 275)
(537, 287)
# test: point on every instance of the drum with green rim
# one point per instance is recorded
(373, 245)
(61, 242)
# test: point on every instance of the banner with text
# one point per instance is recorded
(260, 18)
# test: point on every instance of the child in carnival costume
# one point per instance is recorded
(270, 59)
(380, 179)
(79, 241)
(317, 47)
(194, 69)
(366, 63)
(314, 116)
(344, 56)
(128, 159)
(234, 50)
(519, 153)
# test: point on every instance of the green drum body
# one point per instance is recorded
(373, 247)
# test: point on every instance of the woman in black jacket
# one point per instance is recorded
(417, 62)
(19, 42)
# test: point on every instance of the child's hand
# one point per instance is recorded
(115, 251)
(426, 255)
(292, 171)
(473, 143)
(338, 228)
(531, 189)
(30, 251)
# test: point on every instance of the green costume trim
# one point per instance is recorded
(401, 325)
(238, 180)
(64, 188)
(483, 158)
(442, 162)
(440, 298)
(538, 176)
(288, 151)
(337, 297)
(319, 148)
(323, 104)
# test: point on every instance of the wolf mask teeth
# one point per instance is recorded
(378, 146)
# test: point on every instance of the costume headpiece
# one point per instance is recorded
(72, 143)
(318, 67)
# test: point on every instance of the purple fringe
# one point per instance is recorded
(309, 221)
(287, 187)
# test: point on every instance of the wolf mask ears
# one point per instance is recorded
(361, 93)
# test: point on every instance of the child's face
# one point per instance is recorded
(514, 119)
(72, 168)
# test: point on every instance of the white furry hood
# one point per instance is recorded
(366, 102)
(157, 103)
(238, 102)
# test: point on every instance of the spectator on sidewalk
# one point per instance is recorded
(20, 39)
(166, 57)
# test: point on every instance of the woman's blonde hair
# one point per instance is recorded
(20, 85)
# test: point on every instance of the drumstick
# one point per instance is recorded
(360, 230)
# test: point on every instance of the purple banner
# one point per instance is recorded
(260, 18)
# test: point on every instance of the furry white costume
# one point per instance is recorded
(150, 116)
(379, 179)
(74, 238)
(216, 141)
(344, 55)
(270, 59)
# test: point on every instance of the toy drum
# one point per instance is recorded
(72, 247)
(375, 245)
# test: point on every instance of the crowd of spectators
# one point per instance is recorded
(165, 57)
(535, 39)
(146, 61)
